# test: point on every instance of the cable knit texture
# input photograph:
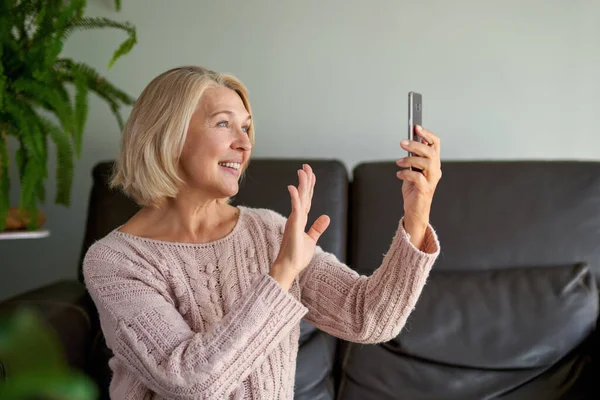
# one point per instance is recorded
(206, 321)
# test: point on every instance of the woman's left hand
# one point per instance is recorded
(419, 186)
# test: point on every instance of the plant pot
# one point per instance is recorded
(17, 220)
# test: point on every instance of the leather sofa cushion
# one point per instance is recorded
(502, 319)
(475, 334)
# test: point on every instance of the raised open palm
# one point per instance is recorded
(298, 245)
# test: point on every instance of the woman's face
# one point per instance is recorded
(217, 146)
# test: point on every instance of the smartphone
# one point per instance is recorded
(415, 117)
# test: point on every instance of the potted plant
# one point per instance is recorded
(35, 103)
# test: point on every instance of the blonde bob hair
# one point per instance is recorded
(146, 168)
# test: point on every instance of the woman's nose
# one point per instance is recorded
(243, 141)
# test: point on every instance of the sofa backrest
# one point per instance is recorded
(107, 209)
(511, 294)
(489, 215)
(265, 186)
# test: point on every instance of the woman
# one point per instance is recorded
(202, 300)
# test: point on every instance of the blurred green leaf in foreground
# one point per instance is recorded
(32, 365)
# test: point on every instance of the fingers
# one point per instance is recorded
(428, 147)
(424, 156)
(311, 185)
(295, 198)
(426, 167)
(421, 163)
(420, 149)
(318, 227)
(413, 176)
(313, 181)
(428, 137)
(303, 182)
(306, 184)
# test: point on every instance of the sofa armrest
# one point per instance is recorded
(65, 307)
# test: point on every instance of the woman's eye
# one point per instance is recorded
(222, 124)
(245, 128)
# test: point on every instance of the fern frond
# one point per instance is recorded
(29, 184)
(100, 22)
(107, 89)
(123, 49)
(18, 113)
(48, 98)
(81, 109)
(34, 152)
(71, 11)
(94, 23)
(68, 69)
(64, 161)
(51, 52)
(32, 178)
(35, 171)
(60, 88)
(116, 110)
(39, 137)
(32, 163)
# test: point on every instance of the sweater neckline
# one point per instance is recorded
(216, 242)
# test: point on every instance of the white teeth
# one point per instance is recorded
(235, 166)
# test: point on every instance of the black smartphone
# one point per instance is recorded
(415, 116)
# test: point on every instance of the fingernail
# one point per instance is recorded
(404, 142)
(419, 128)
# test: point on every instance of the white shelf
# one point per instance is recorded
(42, 233)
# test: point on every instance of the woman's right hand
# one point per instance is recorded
(297, 246)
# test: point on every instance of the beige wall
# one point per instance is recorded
(501, 80)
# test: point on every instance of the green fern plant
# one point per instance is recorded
(35, 104)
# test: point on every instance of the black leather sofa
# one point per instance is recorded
(509, 311)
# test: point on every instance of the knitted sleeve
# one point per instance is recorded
(146, 333)
(367, 309)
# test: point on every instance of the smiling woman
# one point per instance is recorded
(201, 299)
(188, 115)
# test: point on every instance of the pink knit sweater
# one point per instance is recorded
(206, 321)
